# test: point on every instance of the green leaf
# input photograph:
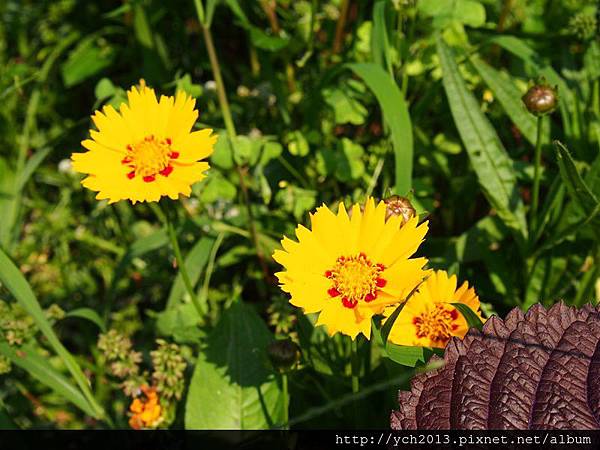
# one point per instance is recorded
(16, 284)
(488, 157)
(521, 50)
(85, 61)
(396, 115)
(88, 314)
(346, 108)
(405, 355)
(233, 386)
(577, 188)
(380, 45)
(389, 323)
(473, 321)
(180, 322)
(445, 12)
(194, 263)
(509, 97)
(39, 368)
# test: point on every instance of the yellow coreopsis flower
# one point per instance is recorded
(350, 267)
(146, 150)
(428, 319)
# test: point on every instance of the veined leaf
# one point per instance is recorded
(396, 115)
(487, 154)
(380, 45)
(232, 374)
(405, 355)
(39, 368)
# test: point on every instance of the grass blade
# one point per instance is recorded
(577, 188)
(396, 115)
(88, 314)
(487, 154)
(39, 368)
(473, 321)
(14, 281)
(509, 97)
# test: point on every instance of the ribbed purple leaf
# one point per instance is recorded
(538, 370)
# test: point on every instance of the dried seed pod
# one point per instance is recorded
(541, 99)
(539, 370)
(399, 206)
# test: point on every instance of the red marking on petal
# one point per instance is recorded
(149, 178)
(349, 303)
(454, 327)
(169, 141)
(328, 274)
(129, 147)
(333, 292)
(126, 160)
(131, 175)
(370, 297)
(380, 282)
(380, 266)
(174, 155)
(454, 314)
(166, 171)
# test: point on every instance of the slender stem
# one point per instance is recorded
(181, 263)
(339, 28)
(230, 127)
(536, 175)
(286, 401)
(355, 366)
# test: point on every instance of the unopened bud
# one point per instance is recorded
(541, 99)
(399, 206)
(284, 354)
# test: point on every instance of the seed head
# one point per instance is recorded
(284, 354)
(541, 99)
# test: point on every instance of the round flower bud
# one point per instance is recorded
(399, 206)
(284, 354)
(541, 99)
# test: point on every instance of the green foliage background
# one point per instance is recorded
(333, 100)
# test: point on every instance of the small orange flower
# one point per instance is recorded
(146, 411)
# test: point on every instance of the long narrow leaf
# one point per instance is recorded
(473, 321)
(396, 115)
(509, 97)
(487, 154)
(39, 368)
(14, 281)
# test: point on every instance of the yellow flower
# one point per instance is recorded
(146, 150)
(428, 319)
(349, 268)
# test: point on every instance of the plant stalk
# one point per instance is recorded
(340, 26)
(180, 261)
(286, 401)
(355, 367)
(536, 175)
(230, 127)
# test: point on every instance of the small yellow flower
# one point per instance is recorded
(146, 150)
(350, 267)
(428, 319)
(146, 411)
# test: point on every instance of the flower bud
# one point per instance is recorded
(399, 206)
(541, 99)
(284, 354)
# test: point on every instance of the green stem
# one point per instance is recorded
(286, 401)
(180, 261)
(355, 366)
(536, 175)
(230, 127)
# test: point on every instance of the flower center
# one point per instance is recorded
(354, 279)
(150, 157)
(436, 324)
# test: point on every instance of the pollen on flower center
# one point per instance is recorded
(354, 279)
(150, 157)
(436, 324)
